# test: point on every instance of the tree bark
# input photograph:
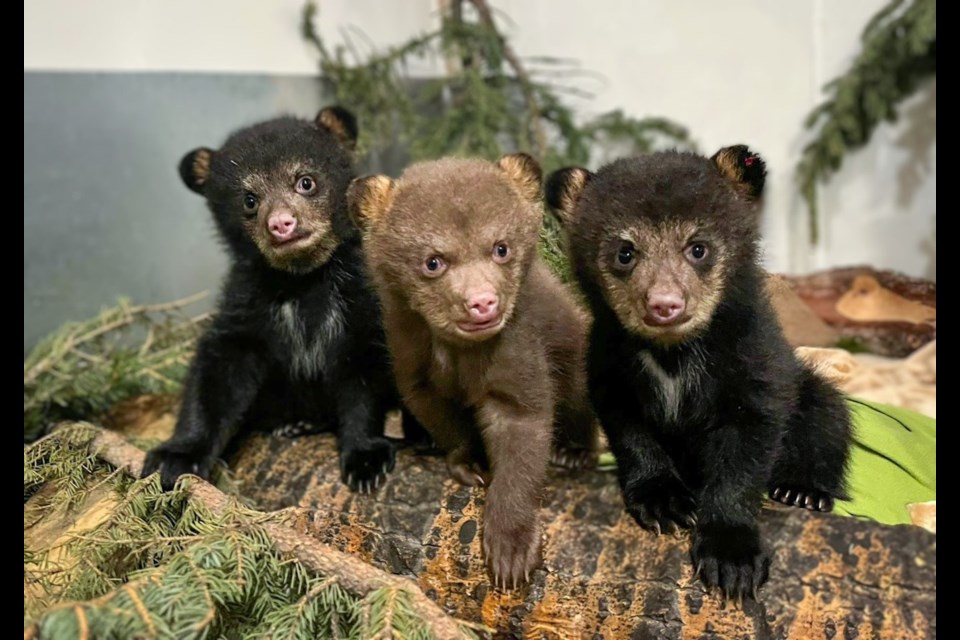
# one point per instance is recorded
(888, 312)
(602, 576)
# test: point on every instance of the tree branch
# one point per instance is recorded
(539, 144)
(352, 574)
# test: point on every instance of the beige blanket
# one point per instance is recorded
(904, 382)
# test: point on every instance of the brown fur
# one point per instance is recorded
(332, 119)
(275, 193)
(745, 171)
(663, 268)
(201, 166)
(493, 398)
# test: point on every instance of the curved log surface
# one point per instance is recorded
(602, 576)
(893, 316)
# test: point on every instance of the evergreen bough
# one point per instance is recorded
(84, 368)
(487, 103)
(899, 53)
(137, 562)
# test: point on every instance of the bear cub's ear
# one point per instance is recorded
(524, 173)
(369, 198)
(341, 123)
(745, 169)
(563, 190)
(195, 168)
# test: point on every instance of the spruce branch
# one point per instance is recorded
(85, 367)
(534, 117)
(353, 575)
(899, 52)
(488, 102)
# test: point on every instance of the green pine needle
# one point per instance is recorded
(899, 53)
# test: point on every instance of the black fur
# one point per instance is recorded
(749, 168)
(246, 373)
(751, 417)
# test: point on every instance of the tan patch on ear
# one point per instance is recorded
(201, 166)
(726, 162)
(574, 182)
(524, 173)
(329, 120)
(369, 198)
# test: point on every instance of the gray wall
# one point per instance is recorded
(104, 211)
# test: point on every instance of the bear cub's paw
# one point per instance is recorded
(295, 429)
(812, 499)
(173, 464)
(463, 468)
(573, 457)
(732, 558)
(365, 465)
(661, 504)
(512, 551)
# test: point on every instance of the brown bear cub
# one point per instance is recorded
(702, 399)
(488, 346)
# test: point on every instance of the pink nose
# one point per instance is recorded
(482, 306)
(664, 309)
(282, 225)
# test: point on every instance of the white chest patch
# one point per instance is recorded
(671, 389)
(309, 352)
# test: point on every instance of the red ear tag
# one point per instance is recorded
(748, 161)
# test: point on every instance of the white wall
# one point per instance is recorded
(737, 71)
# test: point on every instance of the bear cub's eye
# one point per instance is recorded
(434, 266)
(696, 251)
(626, 255)
(250, 201)
(501, 252)
(306, 186)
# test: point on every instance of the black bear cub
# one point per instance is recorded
(297, 333)
(704, 404)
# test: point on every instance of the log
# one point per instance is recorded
(889, 313)
(602, 576)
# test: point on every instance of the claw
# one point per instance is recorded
(754, 592)
(376, 482)
(786, 496)
(798, 500)
(775, 494)
(526, 575)
(810, 503)
(698, 569)
(822, 504)
(656, 528)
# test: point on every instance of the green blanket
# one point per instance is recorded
(893, 462)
